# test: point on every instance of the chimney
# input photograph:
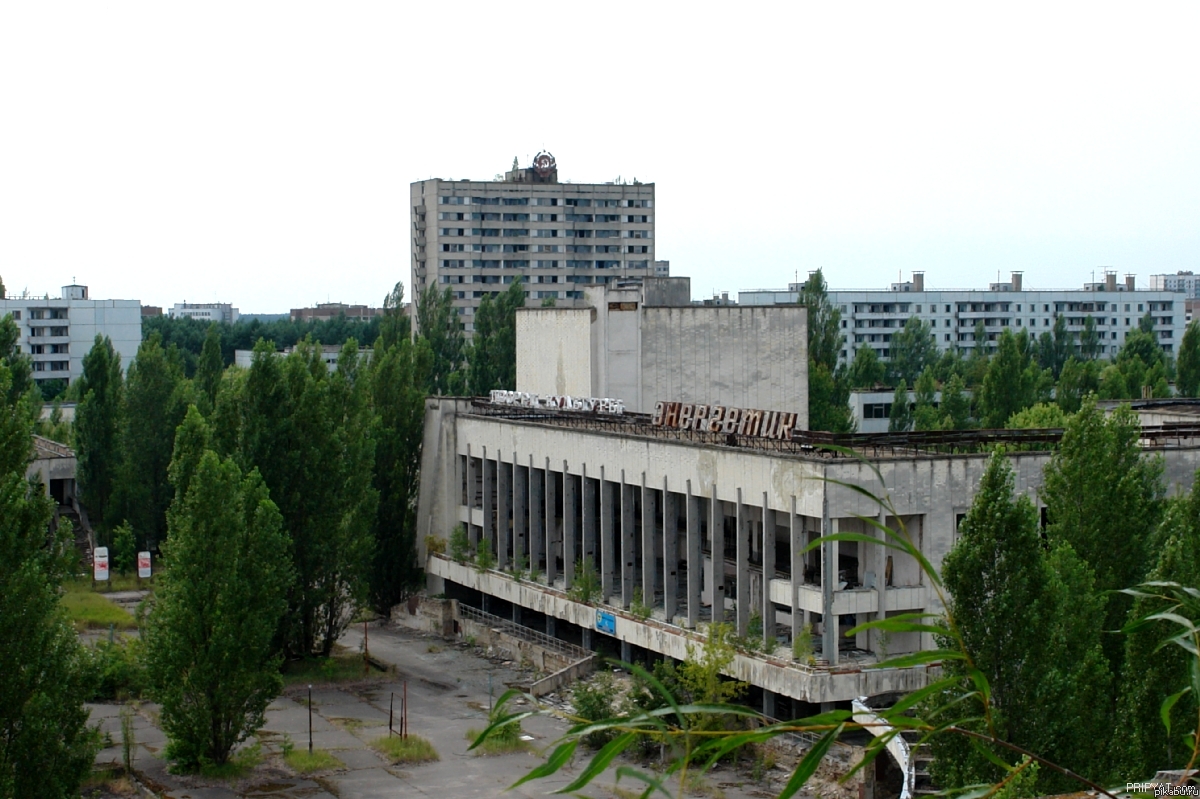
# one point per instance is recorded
(1129, 285)
(918, 281)
(1110, 281)
(1016, 281)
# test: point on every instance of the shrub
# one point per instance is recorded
(435, 545)
(484, 559)
(595, 700)
(802, 647)
(117, 670)
(459, 544)
(585, 584)
(411, 749)
(638, 606)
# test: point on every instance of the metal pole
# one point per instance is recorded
(366, 651)
(310, 719)
(391, 704)
(404, 721)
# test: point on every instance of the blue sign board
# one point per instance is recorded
(606, 622)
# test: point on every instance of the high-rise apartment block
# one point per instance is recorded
(870, 318)
(475, 237)
(58, 331)
(1185, 282)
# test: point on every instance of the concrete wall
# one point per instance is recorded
(554, 353)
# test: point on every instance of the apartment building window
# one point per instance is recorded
(608, 203)
(578, 202)
(638, 264)
(637, 203)
(1139, 307)
(579, 248)
(515, 232)
(485, 201)
(545, 233)
(544, 201)
(636, 234)
(454, 248)
(16, 316)
(947, 323)
(58, 331)
(515, 217)
(546, 264)
(608, 217)
(37, 349)
(516, 264)
(450, 216)
(453, 231)
(918, 309)
(1126, 307)
(454, 264)
(486, 264)
(579, 264)
(516, 201)
(515, 248)
(637, 248)
(947, 337)
(581, 234)
(637, 218)
(609, 234)
(544, 217)
(444, 200)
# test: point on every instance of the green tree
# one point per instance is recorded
(1140, 362)
(956, 405)
(1078, 379)
(1089, 340)
(1152, 673)
(155, 400)
(828, 385)
(900, 420)
(1009, 383)
(394, 323)
(1040, 416)
(399, 376)
(950, 364)
(21, 392)
(209, 369)
(124, 549)
(926, 414)
(1146, 324)
(866, 371)
(438, 323)
(98, 427)
(1102, 495)
(1004, 583)
(46, 748)
(2, 290)
(1187, 380)
(209, 637)
(492, 354)
(911, 351)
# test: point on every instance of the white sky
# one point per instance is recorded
(261, 153)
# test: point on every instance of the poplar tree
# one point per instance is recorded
(438, 323)
(1187, 379)
(866, 370)
(98, 426)
(209, 637)
(828, 387)
(900, 420)
(1008, 384)
(492, 354)
(926, 415)
(209, 369)
(911, 350)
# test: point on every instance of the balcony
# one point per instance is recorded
(853, 600)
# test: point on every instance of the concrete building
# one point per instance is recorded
(711, 526)
(475, 237)
(53, 466)
(1186, 283)
(221, 312)
(58, 332)
(869, 318)
(324, 311)
(644, 342)
(330, 353)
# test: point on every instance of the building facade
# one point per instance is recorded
(644, 342)
(1185, 282)
(870, 318)
(58, 332)
(220, 312)
(702, 527)
(475, 237)
(325, 311)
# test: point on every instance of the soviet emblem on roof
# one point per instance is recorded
(543, 164)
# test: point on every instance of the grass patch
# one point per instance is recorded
(115, 582)
(237, 766)
(497, 745)
(413, 749)
(320, 760)
(110, 780)
(341, 667)
(93, 611)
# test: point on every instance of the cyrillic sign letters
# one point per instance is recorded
(721, 419)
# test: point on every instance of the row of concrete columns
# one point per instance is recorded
(535, 527)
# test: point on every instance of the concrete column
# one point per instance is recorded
(829, 557)
(879, 560)
(587, 638)
(503, 504)
(470, 481)
(695, 558)
(670, 552)
(570, 500)
(626, 652)
(716, 576)
(796, 534)
(768, 703)
(649, 544)
(591, 515)
(742, 531)
(489, 472)
(550, 626)
(520, 509)
(537, 516)
(553, 528)
(627, 541)
(768, 561)
(607, 566)
(516, 613)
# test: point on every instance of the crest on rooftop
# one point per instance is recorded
(544, 164)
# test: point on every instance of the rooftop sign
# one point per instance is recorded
(721, 419)
(556, 403)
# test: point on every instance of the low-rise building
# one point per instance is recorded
(221, 312)
(57, 332)
(324, 311)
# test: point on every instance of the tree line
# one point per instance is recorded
(992, 385)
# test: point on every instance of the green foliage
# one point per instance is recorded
(1141, 363)
(1055, 349)
(56, 428)
(901, 418)
(1099, 483)
(596, 700)
(98, 427)
(1089, 340)
(411, 749)
(128, 738)
(460, 545)
(305, 762)
(399, 373)
(124, 549)
(89, 610)
(439, 325)
(926, 414)
(1042, 415)
(638, 607)
(1078, 379)
(210, 652)
(911, 351)
(802, 646)
(117, 670)
(1004, 583)
(46, 748)
(209, 369)
(829, 399)
(585, 582)
(492, 353)
(484, 559)
(52, 390)
(866, 370)
(1187, 380)
(435, 545)
(828, 386)
(956, 405)
(1010, 383)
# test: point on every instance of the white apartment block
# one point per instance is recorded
(1185, 282)
(476, 237)
(58, 332)
(205, 311)
(871, 317)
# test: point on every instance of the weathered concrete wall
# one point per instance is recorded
(439, 496)
(741, 357)
(425, 615)
(564, 676)
(554, 351)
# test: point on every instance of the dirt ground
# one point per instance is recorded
(448, 694)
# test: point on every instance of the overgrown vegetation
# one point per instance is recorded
(305, 762)
(585, 582)
(411, 749)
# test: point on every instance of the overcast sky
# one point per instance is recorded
(261, 153)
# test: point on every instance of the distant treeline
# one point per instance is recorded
(188, 334)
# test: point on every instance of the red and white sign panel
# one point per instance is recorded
(143, 565)
(100, 563)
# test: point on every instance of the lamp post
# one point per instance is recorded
(310, 719)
